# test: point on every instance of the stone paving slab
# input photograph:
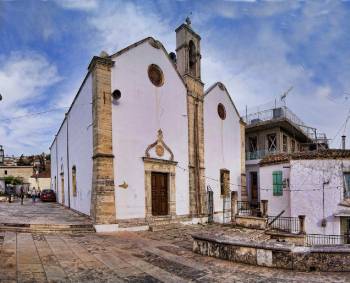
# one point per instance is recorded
(47, 213)
(163, 256)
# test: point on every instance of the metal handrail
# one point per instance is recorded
(276, 217)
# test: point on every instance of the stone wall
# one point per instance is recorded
(251, 222)
(103, 190)
(275, 255)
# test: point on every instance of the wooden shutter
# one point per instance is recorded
(277, 183)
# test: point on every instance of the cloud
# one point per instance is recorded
(25, 80)
(84, 5)
(123, 24)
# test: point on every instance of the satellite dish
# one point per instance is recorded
(116, 94)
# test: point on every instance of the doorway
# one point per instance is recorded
(160, 199)
(62, 188)
(254, 187)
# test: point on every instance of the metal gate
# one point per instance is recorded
(226, 209)
(210, 205)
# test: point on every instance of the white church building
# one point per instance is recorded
(142, 140)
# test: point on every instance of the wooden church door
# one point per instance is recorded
(160, 194)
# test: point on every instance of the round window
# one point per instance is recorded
(222, 111)
(155, 75)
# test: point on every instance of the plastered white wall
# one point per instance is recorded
(80, 151)
(137, 116)
(308, 177)
(222, 145)
(276, 204)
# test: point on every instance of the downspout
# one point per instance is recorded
(68, 174)
(56, 181)
(197, 165)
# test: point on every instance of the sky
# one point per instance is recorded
(258, 49)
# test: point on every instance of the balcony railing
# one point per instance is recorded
(280, 113)
(248, 209)
(284, 224)
(259, 154)
(327, 240)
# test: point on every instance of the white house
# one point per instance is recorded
(315, 184)
(132, 148)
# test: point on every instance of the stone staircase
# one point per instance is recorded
(47, 228)
(163, 223)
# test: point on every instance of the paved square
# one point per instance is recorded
(163, 256)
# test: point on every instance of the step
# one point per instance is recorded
(164, 227)
(47, 228)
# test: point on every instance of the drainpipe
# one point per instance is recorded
(56, 181)
(343, 137)
(68, 175)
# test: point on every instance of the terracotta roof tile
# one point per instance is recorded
(319, 154)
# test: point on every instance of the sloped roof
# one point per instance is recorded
(155, 43)
(306, 155)
(223, 88)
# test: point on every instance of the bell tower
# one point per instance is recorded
(188, 51)
(188, 65)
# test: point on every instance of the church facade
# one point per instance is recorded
(143, 142)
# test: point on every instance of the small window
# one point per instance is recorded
(271, 142)
(221, 111)
(5, 172)
(155, 75)
(253, 144)
(292, 145)
(74, 180)
(346, 184)
(277, 183)
(224, 182)
(285, 143)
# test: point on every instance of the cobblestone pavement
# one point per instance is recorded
(38, 213)
(163, 256)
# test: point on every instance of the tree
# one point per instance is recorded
(11, 180)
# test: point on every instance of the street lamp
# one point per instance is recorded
(2, 155)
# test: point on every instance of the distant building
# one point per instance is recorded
(273, 131)
(34, 171)
(315, 184)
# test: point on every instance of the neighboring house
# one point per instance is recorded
(274, 131)
(315, 184)
(133, 145)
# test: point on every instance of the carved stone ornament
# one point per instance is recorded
(160, 147)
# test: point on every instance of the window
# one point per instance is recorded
(225, 182)
(271, 142)
(155, 75)
(192, 57)
(346, 184)
(5, 172)
(277, 183)
(74, 180)
(285, 143)
(221, 111)
(253, 144)
(292, 145)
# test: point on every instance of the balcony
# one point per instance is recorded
(259, 154)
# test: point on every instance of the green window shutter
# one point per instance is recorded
(277, 183)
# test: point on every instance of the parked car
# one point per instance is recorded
(48, 195)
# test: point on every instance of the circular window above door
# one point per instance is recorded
(155, 74)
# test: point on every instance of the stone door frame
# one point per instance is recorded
(161, 166)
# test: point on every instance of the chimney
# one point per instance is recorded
(343, 141)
